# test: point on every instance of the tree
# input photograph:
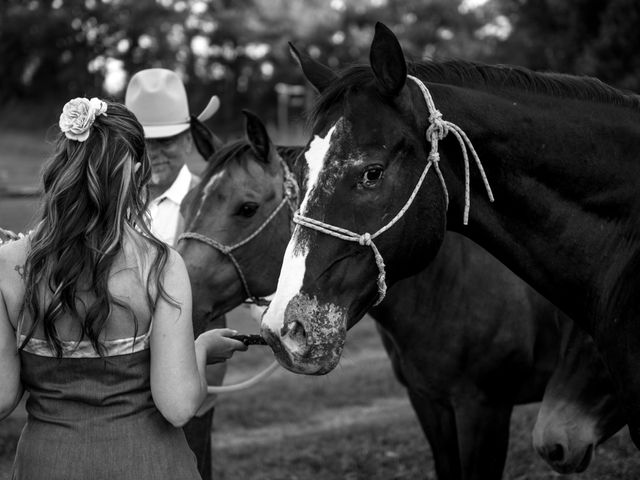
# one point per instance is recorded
(584, 37)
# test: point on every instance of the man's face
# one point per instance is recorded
(167, 157)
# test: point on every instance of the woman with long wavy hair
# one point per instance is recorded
(95, 317)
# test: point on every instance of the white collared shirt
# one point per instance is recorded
(164, 210)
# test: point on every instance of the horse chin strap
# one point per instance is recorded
(437, 130)
(290, 197)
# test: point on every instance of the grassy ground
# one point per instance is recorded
(352, 424)
(355, 423)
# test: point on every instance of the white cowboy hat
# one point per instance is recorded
(158, 99)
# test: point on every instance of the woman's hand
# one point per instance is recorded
(218, 346)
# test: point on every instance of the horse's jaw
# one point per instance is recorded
(306, 336)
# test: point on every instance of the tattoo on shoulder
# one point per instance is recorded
(20, 270)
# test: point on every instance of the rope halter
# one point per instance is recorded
(437, 130)
(290, 198)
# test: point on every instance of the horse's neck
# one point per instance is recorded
(565, 178)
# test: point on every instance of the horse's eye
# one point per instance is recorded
(248, 209)
(372, 175)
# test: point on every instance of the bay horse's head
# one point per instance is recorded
(365, 159)
(579, 410)
(237, 223)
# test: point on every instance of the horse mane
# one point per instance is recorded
(481, 76)
(620, 267)
(234, 152)
(290, 153)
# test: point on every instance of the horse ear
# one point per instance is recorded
(387, 61)
(257, 135)
(319, 75)
(216, 142)
(206, 142)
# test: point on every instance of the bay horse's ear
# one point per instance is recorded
(319, 75)
(206, 142)
(217, 142)
(387, 61)
(257, 135)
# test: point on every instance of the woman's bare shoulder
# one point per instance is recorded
(13, 255)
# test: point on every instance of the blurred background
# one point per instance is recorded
(358, 416)
(53, 50)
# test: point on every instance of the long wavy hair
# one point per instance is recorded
(92, 191)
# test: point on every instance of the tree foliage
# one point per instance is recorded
(52, 50)
(585, 37)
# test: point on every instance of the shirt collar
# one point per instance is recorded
(180, 186)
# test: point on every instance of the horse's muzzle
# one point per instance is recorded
(311, 337)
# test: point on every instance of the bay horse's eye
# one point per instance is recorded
(372, 175)
(248, 209)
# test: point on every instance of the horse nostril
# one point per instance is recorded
(556, 453)
(295, 330)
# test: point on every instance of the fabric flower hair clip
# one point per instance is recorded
(78, 116)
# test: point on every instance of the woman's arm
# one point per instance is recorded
(10, 387)
(178, 382)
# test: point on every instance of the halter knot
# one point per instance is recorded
(438, 128)
(365, 239)
(434, 156)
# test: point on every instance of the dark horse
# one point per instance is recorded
(466, 337)
(560, 153)
(579, 410)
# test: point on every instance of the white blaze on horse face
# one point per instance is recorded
(293, 264)
(211, 185)
(315, 157)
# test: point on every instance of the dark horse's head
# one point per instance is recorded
(579, 410)
(365, 158)
(242, 190)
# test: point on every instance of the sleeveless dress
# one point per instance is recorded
(92, 418)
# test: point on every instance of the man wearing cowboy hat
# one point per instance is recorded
(158, 99)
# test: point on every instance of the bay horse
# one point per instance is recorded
(243, 188)
(579, 409)
(559, 153)
(467, 338)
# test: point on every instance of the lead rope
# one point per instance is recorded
(291, 192)
(437, 130)
(250, 382)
